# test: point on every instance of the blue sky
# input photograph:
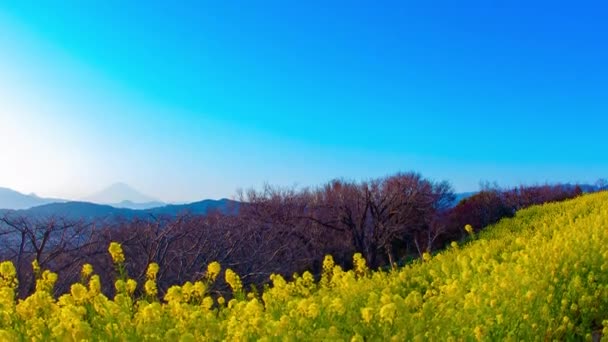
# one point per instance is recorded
(195, 100)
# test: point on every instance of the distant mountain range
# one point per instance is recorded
(118, 195)
(127, 204)
(11, 199)
(93, 212)
(117, 201)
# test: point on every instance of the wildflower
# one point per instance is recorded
(7, 270)
(478, 333)
(313, 310)
(469, 229)
(87, 270)
(78, 292)
(387, 312)
(207, 302)
(95, 285)
(174, 294)
(150, 288)
(328, 271)
(46, 282)
(36, 267)
(199, 289)
(426, 256)
(187, 337)
(328, 264)
(367, 314)
(120, 286)
(131, 286)
(152, 271)
(360, 265)
(8, 275)
(213, 270)
(357, 338)
(116, 253)
(233, 280)
(336, 306)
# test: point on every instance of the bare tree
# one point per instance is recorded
(55, 243)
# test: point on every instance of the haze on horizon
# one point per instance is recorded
(194, 101)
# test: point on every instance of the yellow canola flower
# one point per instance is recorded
(152, 271)
(359, 264)
(116, 253)
(131, 286)
(79, 292)
(47, 281)
(95, 285)
(36, 267)
(478, 333)
(328, 263)
(150, 288)
(120, 286)
(8, 275)
(7, 270)
(199, 289)
(174, 294)
(426, 256)
(469, 229)
(207, 303)
(213, 270)
(87, 270)
(388, 312)
(367, 314)
(233, 280)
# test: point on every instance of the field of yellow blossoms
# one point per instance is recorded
(542, 275)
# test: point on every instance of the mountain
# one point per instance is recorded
(204, 207)
(11, 199)
(137, 206)
(76, 211)
(121, 195)
(100, 212)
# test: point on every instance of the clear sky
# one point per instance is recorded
(190, 100)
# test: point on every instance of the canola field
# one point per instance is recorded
(542, 275)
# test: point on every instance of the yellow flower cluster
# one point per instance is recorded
(87, 270)
(213, 270)
(116, 253)
(469, 229)
(150, 284)
(233, 280)
(542, 275)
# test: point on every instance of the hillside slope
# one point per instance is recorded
(542, 275)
